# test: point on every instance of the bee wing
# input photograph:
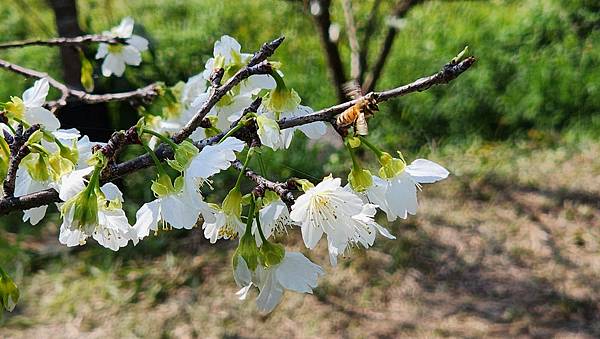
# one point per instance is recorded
(361, 125)
(352, 89)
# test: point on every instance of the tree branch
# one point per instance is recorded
(355, 51)
(282, 189)
(75, 41)
(322, 20)
(448, 72)
(367, 36)
(18, 151)
(144, 93)
(372, 77)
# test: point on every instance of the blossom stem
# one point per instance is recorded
(161, 137)
(243, 170)
(11, 129)
(374, 148)
(159, 166)
(260, 231)
(232, 131)
(355, 163)
(250, 217)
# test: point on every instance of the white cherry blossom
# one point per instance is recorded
(116, 56)
(326, 208)
(397, 196)
(295, 273)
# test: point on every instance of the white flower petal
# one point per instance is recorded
(270, 293)
(42, 116)
(139, 43)
(36, 95)
(146, 220)
(297, 273)
(426, 171)
(102, 51)
(125, 28)
(113, 64)
(177, 212)
(131, 55)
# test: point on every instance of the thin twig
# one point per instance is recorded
(79, 40)
(400, 11)
(367, 36)
(355, 51)
(143, 93)
(280, 188)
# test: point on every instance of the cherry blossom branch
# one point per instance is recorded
(62, 41)
(144, 93)
(18, 151)
(448, 73)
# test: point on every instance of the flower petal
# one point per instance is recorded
(426, 172)
(36, 95)
(42, 116)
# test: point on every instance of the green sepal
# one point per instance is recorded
(162, 186)
(271, 254)
(247, 249)
(183, 156)
(305, 185)
(360, 179)
(232, 204)
(37, 166)
(390, 166)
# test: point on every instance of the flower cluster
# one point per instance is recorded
(346, 214)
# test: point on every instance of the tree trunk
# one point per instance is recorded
(91, 120)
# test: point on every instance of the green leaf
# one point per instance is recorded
(87, 71)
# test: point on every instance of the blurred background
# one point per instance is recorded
(509, 245)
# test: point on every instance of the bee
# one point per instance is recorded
(358, 114)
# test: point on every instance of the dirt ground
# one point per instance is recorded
(507, 247)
